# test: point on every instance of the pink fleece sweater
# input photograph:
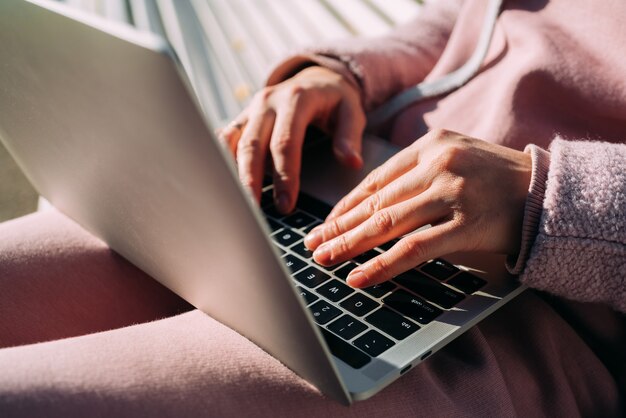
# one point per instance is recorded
(555, 75)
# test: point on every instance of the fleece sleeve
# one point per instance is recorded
(579, 247)
(383, 66)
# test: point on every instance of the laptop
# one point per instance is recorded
(105, 124)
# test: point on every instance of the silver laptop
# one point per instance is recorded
(106, 126)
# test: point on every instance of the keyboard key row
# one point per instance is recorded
(411, 306)
(430, 289)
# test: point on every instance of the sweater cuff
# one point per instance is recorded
(296, 63)
(533, 206)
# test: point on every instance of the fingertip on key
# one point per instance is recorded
(357, 279)
(313, 239)
(322, 255)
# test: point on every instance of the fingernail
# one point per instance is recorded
(282, 202)
(357, 160)
(356, 279)
(322, 254)
(313, 239)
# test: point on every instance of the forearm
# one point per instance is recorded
(383, 66)
(580, 247)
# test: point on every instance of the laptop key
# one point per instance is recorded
(347, 327)
(329, 268)
(343, 272)
(299, 219)
(386, 246)
(366, 256)
(429, 288)
(392, 323)
(274, 226)
(414, 307)
(345, 351)
(466, 283)
(439, 269)
(293, 263)
(306, 295)
(271, 210)
(379, 290)
(267, 198)
(323, 312)
(314, 206)
(311, 277)
(373, 343)
(302, 250)
(310, 227)
(334, 290)
(286, 237)
(359, 304)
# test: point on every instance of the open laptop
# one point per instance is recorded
(103, 122)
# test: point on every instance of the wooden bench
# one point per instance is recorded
(228, 46)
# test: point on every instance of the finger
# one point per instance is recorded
(376, 180)
(286, 149)
(348, 134)
(252, 150)
(409, 185)
(383, 226)
(408, 253)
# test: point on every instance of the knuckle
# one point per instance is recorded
(282, 145)
(383, 222)
(295, 90)
(341, 244)
(413, 250)
(451, 156)
(381, 266)
(285, 179)
(249, 181)
(372, 204)
(439, 134)
(334, 228)
(265, 93)
(370, 184)
(249, 146)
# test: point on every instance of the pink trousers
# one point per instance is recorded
(83, 332)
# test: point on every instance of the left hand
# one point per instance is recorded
(472, 193)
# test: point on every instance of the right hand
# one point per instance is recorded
(276, 120)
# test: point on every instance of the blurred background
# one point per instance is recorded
(227, 48)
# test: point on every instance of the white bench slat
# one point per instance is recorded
(241, 42)
(362, 18)
(209, 97)
(399, 11)
(229, 46)
(146, 16)
(325, 24)
(238, 80)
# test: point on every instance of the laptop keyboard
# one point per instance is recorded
(359, 324)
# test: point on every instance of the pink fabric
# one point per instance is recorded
(580, 249)
(189, 364)
(552, 67)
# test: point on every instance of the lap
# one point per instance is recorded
(57, 281)
(524, 359)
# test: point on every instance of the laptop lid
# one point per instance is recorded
(180, 216)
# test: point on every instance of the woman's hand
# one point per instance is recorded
(276, 121)
(470, 191)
